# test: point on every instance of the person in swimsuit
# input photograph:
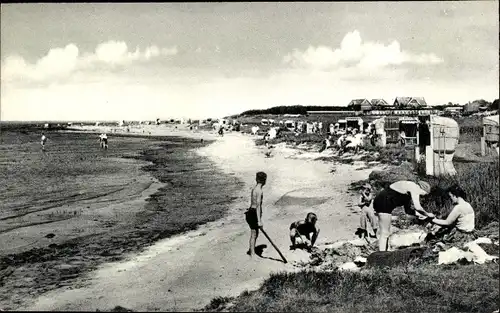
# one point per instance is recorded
(253, 215)
(401, 193)
(302, 231)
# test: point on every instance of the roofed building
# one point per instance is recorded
(379, 103)
(410, 102)
(360, 105)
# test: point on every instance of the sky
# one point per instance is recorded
(142, 61)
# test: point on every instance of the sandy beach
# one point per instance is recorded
(186, 271)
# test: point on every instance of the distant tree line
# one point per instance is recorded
(300, 109)
(295, 109)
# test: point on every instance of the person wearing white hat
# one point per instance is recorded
(401, 193)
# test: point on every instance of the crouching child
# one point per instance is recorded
(301, 231)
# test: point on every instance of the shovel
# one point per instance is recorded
(272, 243)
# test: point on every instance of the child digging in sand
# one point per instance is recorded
(302, 230)
(254, 213)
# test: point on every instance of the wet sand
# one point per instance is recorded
(66, 211)
(185, 272)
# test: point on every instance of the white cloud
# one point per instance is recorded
(60, 62)
(353, 52)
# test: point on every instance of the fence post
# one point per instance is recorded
(429, 160)
(483, 147)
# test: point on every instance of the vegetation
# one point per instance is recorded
(428, 288)
(295, 109)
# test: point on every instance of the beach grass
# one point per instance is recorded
(427, 288)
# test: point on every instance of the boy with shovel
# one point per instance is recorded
(254, 213)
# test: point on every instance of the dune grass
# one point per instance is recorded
(429, 288)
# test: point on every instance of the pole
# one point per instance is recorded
(272, 243)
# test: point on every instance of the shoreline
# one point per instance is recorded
(70, 263)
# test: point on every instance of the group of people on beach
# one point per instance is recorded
(376, 213)
(103, 141)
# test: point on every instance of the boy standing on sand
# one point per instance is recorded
(254, 213)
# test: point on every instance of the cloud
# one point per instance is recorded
(60, 62)
(353, 52)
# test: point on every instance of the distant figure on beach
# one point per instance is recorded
(254, 213)
(367, 213)
(300, 232)
(459, 226)
(105, 141)
(326, 144)
(255, 129)
(43, 141)
(401, 193)
(221, 131)
(268, 150)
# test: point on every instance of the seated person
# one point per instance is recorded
(367, 213)
(300, 232)
(459, 226)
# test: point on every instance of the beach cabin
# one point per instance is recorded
(46, 125)
(490, 133)
(290, 125)
(341, 127)
(409, 125)
(354, 122)
(264, 122)
(444, 134)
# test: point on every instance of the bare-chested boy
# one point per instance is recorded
(254, 213)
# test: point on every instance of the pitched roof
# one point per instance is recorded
(379, 102)
(402, 100)
(420, 101)
(410, 101)
(359, 101)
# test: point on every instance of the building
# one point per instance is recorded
(360, 105)
(379, 104)
(454, 110)
(409, 102)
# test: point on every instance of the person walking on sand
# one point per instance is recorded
(253, 215)
(367, 213)
(401, 193)
(43, 141)
(459, 226)
(105, 141)
(302, 230)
